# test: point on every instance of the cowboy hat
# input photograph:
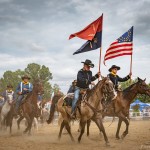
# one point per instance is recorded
(9, 86)
(25, 77)
(89, 63)
(114, 66)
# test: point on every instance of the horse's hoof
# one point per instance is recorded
(122, 137)
(58, 138)
(117, 138)
(107, 144)
(48, 122)
(24, 132)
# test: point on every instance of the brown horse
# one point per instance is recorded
(120, 107)
(29, 106)
(90, 108)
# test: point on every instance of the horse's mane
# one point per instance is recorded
(91, 91)
(56, 98)
(128, 88)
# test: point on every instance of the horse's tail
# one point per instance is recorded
(52, 111)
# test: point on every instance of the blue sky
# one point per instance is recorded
(38, 30)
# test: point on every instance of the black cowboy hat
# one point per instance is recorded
(89, 63)
(114, 66)
(25, 77)
(9, 86)
(74, 82)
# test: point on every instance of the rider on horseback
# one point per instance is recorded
(115, 78)
(84, 79)
(23, 88)
(8, 91)
(72, 87)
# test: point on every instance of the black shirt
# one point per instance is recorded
(115, 79)
(84, 78)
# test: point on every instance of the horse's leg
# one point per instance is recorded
(18, 122)
(99, 124)
(30, 124)
(127, 128)
(118, 128)
(69, 130)
(10, 126)
(36, 123)
(88, 127)
(61, 128)
(28, 121)
(82, 128)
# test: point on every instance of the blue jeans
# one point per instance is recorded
(18, 101)
(75, 99)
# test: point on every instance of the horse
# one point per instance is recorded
(121, 105)
(29, 108)
(5, 111)
(90, 108)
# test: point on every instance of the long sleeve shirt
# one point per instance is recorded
(21, 86)
(84, 78)
(6, 92)
(115, 79)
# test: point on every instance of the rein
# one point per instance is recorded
(97, 101)
(94, 109)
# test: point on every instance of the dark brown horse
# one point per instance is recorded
(120, 107)
(29, 106)
(90, 109)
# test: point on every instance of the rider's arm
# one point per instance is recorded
(95, 77)
(70, 90)
(123, 79)
(18, 89)
(30, 88)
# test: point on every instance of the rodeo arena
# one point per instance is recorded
(105, 101)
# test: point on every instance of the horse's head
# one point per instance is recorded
(142, 87)
(9, 98)
(38, 85)
(108, 88)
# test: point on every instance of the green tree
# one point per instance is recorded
(36, 71)
(12, 78)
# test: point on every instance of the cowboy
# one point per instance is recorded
(72, 87)
(70, 94)
(115, 78)
(8, 91)
(84, 79)
(23, 88)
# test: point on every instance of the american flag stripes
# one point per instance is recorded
(122, 46)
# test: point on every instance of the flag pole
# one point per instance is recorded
(131, 68)
(131, 59)
(100, 56)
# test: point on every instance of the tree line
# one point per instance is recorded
(34, 71)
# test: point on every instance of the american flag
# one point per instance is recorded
(122, 46)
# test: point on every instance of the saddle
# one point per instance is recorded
(69, 98)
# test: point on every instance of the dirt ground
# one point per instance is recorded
(46, 138)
